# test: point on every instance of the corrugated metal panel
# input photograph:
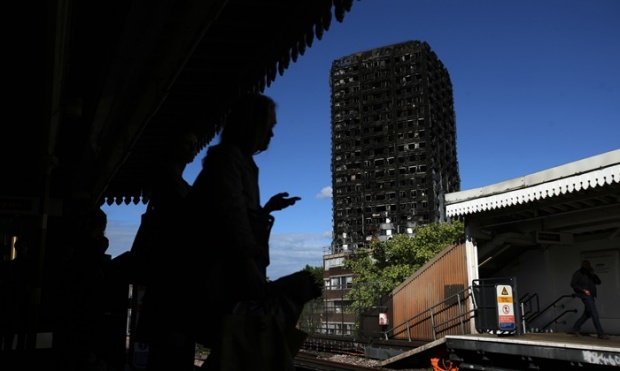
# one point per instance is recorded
(439, 280)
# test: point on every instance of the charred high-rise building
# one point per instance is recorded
(393, 143)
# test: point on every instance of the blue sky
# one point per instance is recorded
(536, 85)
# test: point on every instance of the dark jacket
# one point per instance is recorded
(156, 241)
(228, 227)
(584, 279)
(225, 204)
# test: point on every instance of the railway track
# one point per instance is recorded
(352, 346)
(320, 352)
(308, 361)
(332, 353)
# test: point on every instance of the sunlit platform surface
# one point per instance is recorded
(543, 350)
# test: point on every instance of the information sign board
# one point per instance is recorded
(505, 308)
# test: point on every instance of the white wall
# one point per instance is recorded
(548, 272)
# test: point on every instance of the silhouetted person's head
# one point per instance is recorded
(586, 266)
(96, 222)
(250, 123)
(184, 147)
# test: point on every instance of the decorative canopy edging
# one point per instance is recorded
(319, 24)
(592, 179)
(213, 75)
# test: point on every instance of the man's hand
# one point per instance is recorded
(280, 201)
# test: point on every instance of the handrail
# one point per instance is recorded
(527, 299)
(558, 317)
(430, 313)
(549, 307)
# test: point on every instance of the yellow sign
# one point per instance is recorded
(505, 307)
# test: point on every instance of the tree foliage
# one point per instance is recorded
(385, 265)
(310, 318)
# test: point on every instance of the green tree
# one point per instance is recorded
(380, 268)
(310, 318)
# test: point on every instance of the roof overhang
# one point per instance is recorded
(573, 203)
(596, 171)
(100, 87)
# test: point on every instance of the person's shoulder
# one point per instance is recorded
(221, 148)
(224, 152)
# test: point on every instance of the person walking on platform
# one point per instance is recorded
(584, 282)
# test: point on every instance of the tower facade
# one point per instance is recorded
(393, 143)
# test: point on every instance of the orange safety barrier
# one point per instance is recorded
(436, 367)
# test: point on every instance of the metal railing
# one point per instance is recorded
(431, 313)
(530, 305)
(480, 287)
(538, 312)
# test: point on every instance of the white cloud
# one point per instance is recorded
(291, 252)
(325, 193)
(123, 223)
(121, 237)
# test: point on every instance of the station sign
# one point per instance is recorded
(383, 319)
(505, 308)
